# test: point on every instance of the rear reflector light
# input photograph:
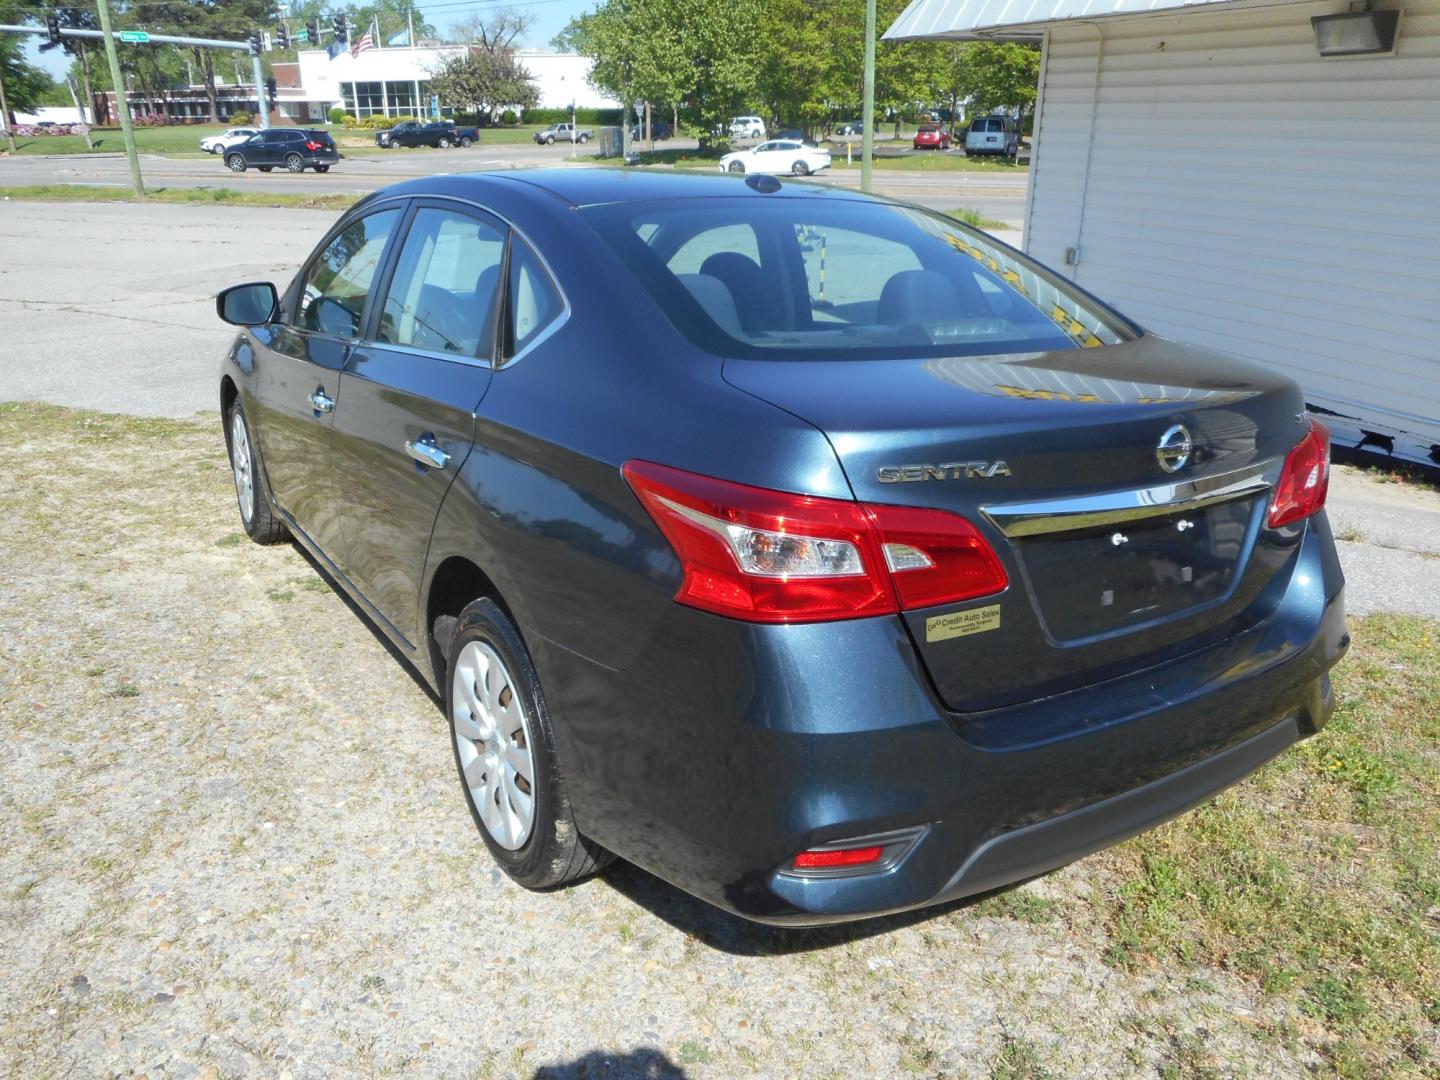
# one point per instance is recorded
(826, 858)
(1304, 479)
(774, 556)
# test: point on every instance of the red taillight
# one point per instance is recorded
(773, 556)
(312, 146)
(827, 858)
(1304, 480)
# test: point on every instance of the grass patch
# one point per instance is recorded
(1019, 1060)
(202, 196)
(975, 219)
(1319, 880)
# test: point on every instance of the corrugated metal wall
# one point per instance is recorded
(1246, 195)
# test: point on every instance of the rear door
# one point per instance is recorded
(410, 393)
(298, 363)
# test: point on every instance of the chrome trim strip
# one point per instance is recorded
(1113, 507)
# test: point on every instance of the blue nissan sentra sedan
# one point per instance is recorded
(817, 553)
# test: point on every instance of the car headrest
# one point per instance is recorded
(714, 296)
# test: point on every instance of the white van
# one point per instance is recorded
(992, 135)
(747, 127)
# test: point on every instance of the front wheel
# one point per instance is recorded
(465, 141)
(252, 494)
(235, 163)
(735, 167)
(294, 163)
(505, 754)
(800, 169)
(550, 141)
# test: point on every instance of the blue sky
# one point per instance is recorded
(550, 17)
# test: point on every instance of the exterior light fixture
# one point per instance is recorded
(1358, 33)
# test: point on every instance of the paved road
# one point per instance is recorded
(996, 195)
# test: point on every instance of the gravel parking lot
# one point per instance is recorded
(232, 842)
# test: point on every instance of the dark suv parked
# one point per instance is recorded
(817, 592)
(291, 149)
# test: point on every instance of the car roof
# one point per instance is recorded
(592, 187)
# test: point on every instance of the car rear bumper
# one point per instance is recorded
(728, 748)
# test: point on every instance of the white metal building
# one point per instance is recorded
(1201, 166)
(395, 82)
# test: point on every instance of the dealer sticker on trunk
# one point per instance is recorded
(974, 621)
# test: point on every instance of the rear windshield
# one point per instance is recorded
(822, 278)
(988, 123)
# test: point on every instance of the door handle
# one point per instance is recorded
(321, 402)
(427, 453)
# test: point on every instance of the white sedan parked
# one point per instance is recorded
(213, 144)
(777, 156)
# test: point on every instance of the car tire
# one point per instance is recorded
(252, 493)
(735, 167)
(465, 142)
(443, 143)
(584, 138)
(294, 163)
(322, 168)
(799, 169)
(550, 141)
(235, 163)
(491, 685)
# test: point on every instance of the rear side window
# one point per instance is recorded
(337, 281)
(442, 295)
(534, 299)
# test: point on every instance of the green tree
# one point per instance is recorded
(481, 81)
(25, 84)
(698, 56)
(989, 75)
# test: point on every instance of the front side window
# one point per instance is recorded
(534, 300)
(337, 281)
(811, 278)
(442, 296)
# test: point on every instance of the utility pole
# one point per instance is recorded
(121, 105)
(5, 116)
(867, 94)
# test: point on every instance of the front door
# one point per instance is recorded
(298, 363)
(410, 394)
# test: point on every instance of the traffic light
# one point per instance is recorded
(312, 32)
(271, 90)
(257, 45)
(342, 32)
(52, 28)
(282, 37)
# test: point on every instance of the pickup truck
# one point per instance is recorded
(560, 133)
(439, 133)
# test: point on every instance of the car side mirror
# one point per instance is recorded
(251, 304)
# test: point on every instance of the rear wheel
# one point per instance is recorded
(252, 494)
(294, 163)
(465, 141)
(235, 163)
(584, 138)
(799, 169)
(505, 753)
(735, 167)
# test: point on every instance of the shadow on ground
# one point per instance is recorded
(643, 1064)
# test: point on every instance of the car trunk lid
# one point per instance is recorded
(1114, 561)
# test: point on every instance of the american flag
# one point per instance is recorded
(364, 43)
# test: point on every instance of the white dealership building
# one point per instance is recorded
(1259, 176)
